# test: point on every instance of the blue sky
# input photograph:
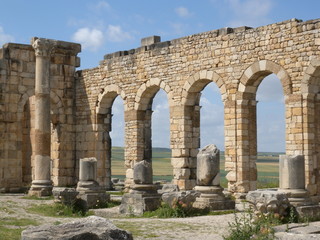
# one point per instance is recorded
(106, 26)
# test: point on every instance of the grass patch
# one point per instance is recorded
(11, 228)
(115, 193)
(38, 198)
(59, 210)
(109, 204)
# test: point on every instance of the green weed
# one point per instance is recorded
(59, 210)
(11, 228)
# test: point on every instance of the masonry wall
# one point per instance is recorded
(17, 75)
(237, 60)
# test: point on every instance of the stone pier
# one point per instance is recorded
(42, 184)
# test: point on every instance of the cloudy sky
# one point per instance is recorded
(106, 26)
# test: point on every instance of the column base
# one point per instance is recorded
(141, 198)
(298, 197)
(41, 188)
(212, 198)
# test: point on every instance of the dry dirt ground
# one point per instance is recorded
(196, 228)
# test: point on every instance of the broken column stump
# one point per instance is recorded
(292, 182)
(292, 179)
(90, 192)
(208, 181)
(143, 195)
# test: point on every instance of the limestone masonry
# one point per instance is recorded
(79, 103)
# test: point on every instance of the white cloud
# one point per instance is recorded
(249, 12)
(183, 12)
(5, 38)
(102, 5)
(178, 28)
(90, 39)
(116, 34)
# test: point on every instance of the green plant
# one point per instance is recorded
(11, 228)
(247, 226)
(38, 198)
(178, 210)
(109, 204)
(59, 210)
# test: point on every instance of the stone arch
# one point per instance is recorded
(55, 99)
(197, 82)
(107, 96)
(148, 90)
(246, 120)
(143, 116)
(188, 124)
(255, 73)
(25, 132)
(310, 82)
(103, 128)
(310, 94)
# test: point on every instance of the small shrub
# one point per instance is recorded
(109, 204)
(59, 210)
(38, 198)
(179, 210)
(247, 226)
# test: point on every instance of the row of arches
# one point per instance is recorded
(240, 127)
(191, 102)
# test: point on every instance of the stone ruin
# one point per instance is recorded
(208, 181)
(52, 115)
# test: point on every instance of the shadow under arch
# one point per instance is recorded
(103, 145)
(310, 91)
(25, 114)
(245, 170)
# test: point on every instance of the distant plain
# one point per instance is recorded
(267, 165)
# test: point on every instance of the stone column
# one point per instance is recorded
(292, 179)
(42, 184)
(208, 181)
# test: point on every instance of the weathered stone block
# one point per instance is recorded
(269, 201)
(92, 227)
(208, 166)
(142, 173)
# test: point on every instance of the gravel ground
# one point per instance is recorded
(196, 228)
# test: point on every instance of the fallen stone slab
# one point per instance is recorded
(298, 231)
(93, 228)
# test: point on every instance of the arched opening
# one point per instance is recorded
(212, 123)
(310, 89)
(152, 128)
(247, 152)
(27, 138)
(118, 170)
(160, 135)
(270, 131)
(108, 133)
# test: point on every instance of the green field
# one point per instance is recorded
(267, 164)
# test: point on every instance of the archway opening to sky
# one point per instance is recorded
(160, 125)
(118, 169)
(212, 122)
(270, 130)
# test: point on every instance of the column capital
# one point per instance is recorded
(42, 46)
